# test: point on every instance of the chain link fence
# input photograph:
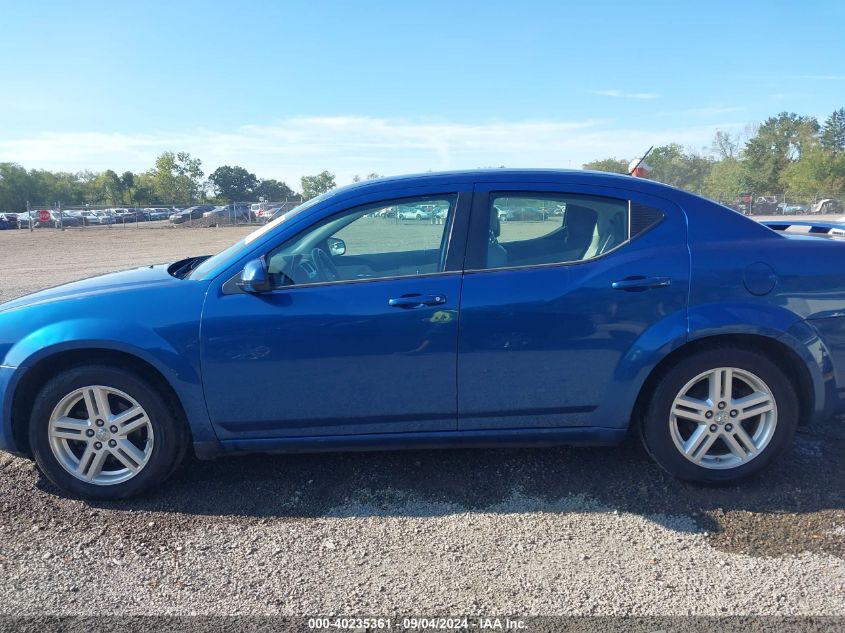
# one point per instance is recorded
(82, 217)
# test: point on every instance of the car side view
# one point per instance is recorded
(603, 305)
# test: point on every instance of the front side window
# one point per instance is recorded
(550, 228)
(390, 239)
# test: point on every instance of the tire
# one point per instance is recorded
(761, 430)
(160, 439)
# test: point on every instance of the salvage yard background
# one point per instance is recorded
(561, 530)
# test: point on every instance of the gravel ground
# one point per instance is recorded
(527, 531)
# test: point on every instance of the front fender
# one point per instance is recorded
(173, 352)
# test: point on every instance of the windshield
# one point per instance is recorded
(235, 249)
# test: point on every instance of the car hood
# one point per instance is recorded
(136, 278)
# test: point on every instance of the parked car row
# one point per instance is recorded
(120, 215)
(824, 206)
(432, 212)
(71, 218)
(39, 218)
(49, 218)
(523, 214)
(239, 212)
(268, 211)
(750, 205)
(437, 215)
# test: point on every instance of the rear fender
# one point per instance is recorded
(711, 321)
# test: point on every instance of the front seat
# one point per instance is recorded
(497, 256)
(580, 228)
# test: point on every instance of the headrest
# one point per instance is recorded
(580, 221)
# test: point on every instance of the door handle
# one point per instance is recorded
(639, 282)
(416, 301)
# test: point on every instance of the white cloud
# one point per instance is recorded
(619, 94)
(709, 111)
(824, 77)
(347, 145)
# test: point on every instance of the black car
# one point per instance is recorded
(231, 213)
(191, 213)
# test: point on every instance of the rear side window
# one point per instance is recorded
(550, 228)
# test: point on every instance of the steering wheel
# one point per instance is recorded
(325, 265)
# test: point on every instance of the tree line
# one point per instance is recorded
(787, 154)
(176, 178)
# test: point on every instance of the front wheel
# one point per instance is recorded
(720, 416)
(105, 433)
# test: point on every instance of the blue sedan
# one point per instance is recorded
(639, 308)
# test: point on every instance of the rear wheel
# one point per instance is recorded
(720, 416)
(105, 433)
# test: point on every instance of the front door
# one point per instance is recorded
(358, 336)
(561, 284)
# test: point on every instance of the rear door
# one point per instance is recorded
(561, 284)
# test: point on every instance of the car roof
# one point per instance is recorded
(510, 175)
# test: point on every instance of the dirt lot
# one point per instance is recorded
(48, 257)
(552, 531)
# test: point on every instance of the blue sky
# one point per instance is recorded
(290, 88)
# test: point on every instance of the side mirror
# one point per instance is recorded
(254, 278)
(337, 246)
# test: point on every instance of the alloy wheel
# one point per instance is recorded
(100, 435)
(723, 418)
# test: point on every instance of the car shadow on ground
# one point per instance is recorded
(806, 483)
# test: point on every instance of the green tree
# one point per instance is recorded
(778, 142)
(144, 192)
(318, 184)
(127, 183)
(613, 165)
(672, 165)
(86, 180)
(819, 171)
(233, 183)
(176, 178)
(16, 187)
(727, 179)
(274, 190)
(108, 188)
(832, 137)
(143, 195)
(50, 187)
